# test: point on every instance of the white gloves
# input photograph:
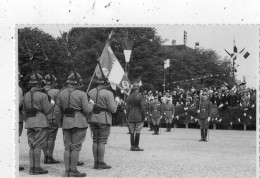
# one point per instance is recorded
(198, 111)
(208, 118)
(244, 114)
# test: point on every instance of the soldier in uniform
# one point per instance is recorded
(48, 146)
(168, 110)
(156, 114)
(101, 120)
(204, 117)
(36, 106)
(135, 112)
(149, 119)
(20, 113)
(70, 111)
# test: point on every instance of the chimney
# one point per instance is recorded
(173, 42)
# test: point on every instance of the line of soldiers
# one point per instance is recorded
(45, 110)
(227, 107)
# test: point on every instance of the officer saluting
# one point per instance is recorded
(135, 112)
(204, 117)
(48, 146)
(71, 109)
(36, 106)
(101, 120)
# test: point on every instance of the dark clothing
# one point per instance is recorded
(204, 109)
(135, 108)
(175, 99)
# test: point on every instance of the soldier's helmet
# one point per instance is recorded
(72, 79)
(48, 80)
(35, 80)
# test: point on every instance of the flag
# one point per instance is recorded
(127, 45)
(113, 70)
(167, 63)
(244, 53)
(125, 84)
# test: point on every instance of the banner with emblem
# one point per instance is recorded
(113, 70)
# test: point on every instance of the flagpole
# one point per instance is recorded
(90, 82)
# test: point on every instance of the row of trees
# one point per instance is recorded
(86, 45)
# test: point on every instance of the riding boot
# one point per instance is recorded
(154, 129)
(167, 127)
(137, 138)
(157, 130)
(202, 135)
(205, 134)
(132, 140)
(170, 126)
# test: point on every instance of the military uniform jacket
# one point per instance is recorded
(20, 104)
(41, 103)
(204, 109)
(135, 108)
(53, 93)
(78, 102)
(105, 100)
(155, 110)
(168, 110)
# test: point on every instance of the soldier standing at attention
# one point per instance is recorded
(168, 110)
(48, 145)
(204, 116)
(101, 120)
(70, 110)
(36, 106)
(135, 112)
(20, 113)
(156, 114)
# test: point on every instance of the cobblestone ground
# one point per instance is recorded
(178, 153)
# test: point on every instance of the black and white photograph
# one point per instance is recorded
(137, 101)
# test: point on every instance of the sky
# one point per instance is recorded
(215, 37)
